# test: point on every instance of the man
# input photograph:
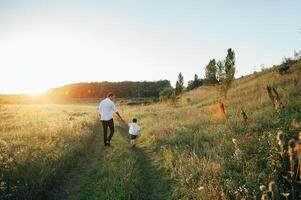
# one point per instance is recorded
(106, 110)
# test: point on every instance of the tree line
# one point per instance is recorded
(125, 89)
(219, 72)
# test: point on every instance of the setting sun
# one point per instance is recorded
(37, 61)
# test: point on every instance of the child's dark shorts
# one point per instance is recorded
(133, 137)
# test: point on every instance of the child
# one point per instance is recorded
(133, 131)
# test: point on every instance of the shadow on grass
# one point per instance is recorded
(152, 182)
(117, 173)
(69, 183)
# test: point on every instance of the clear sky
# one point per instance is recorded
(46, 44)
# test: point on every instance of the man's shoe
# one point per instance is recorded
(108, 144)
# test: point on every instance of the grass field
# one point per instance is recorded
(188, 151)
(38, 143)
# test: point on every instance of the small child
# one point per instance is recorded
(133, 131)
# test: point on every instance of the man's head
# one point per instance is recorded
(135, 120)
(110, 95)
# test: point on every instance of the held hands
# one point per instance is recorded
(120, 117)
(122, 120)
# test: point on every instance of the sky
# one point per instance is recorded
(46, 44)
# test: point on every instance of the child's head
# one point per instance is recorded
(134, 120)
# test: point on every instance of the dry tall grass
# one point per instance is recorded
(38, 143)
(195, 139)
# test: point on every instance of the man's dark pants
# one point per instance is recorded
(105, 125)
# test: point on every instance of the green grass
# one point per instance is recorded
(118, 172)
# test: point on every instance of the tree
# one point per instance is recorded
(297, 55)
(195, 83)
(180, 84)
(210, 72)
(230, 65)
(226, 71)
(221, 74)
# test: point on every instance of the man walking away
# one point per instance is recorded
(106, 110)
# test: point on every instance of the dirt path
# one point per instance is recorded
(119, 172)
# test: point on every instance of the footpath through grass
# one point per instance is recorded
(118, 172)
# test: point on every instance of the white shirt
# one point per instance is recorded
(106, 109)
(134, 129)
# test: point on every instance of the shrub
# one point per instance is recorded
(195, 83)
(284, 68)
(166, 93)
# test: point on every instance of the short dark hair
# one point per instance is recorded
(110, 94)
(134, 120)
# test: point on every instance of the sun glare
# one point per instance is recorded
(37, 61)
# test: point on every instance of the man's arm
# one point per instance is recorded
(120, 116)
(116, 111)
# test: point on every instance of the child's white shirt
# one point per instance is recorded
(134, 128)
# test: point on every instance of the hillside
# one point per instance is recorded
(210, 155)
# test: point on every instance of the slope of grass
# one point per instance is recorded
(196, 140)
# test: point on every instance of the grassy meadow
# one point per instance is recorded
(38, 143)
(191, 150)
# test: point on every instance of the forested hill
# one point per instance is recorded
(125, 89)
